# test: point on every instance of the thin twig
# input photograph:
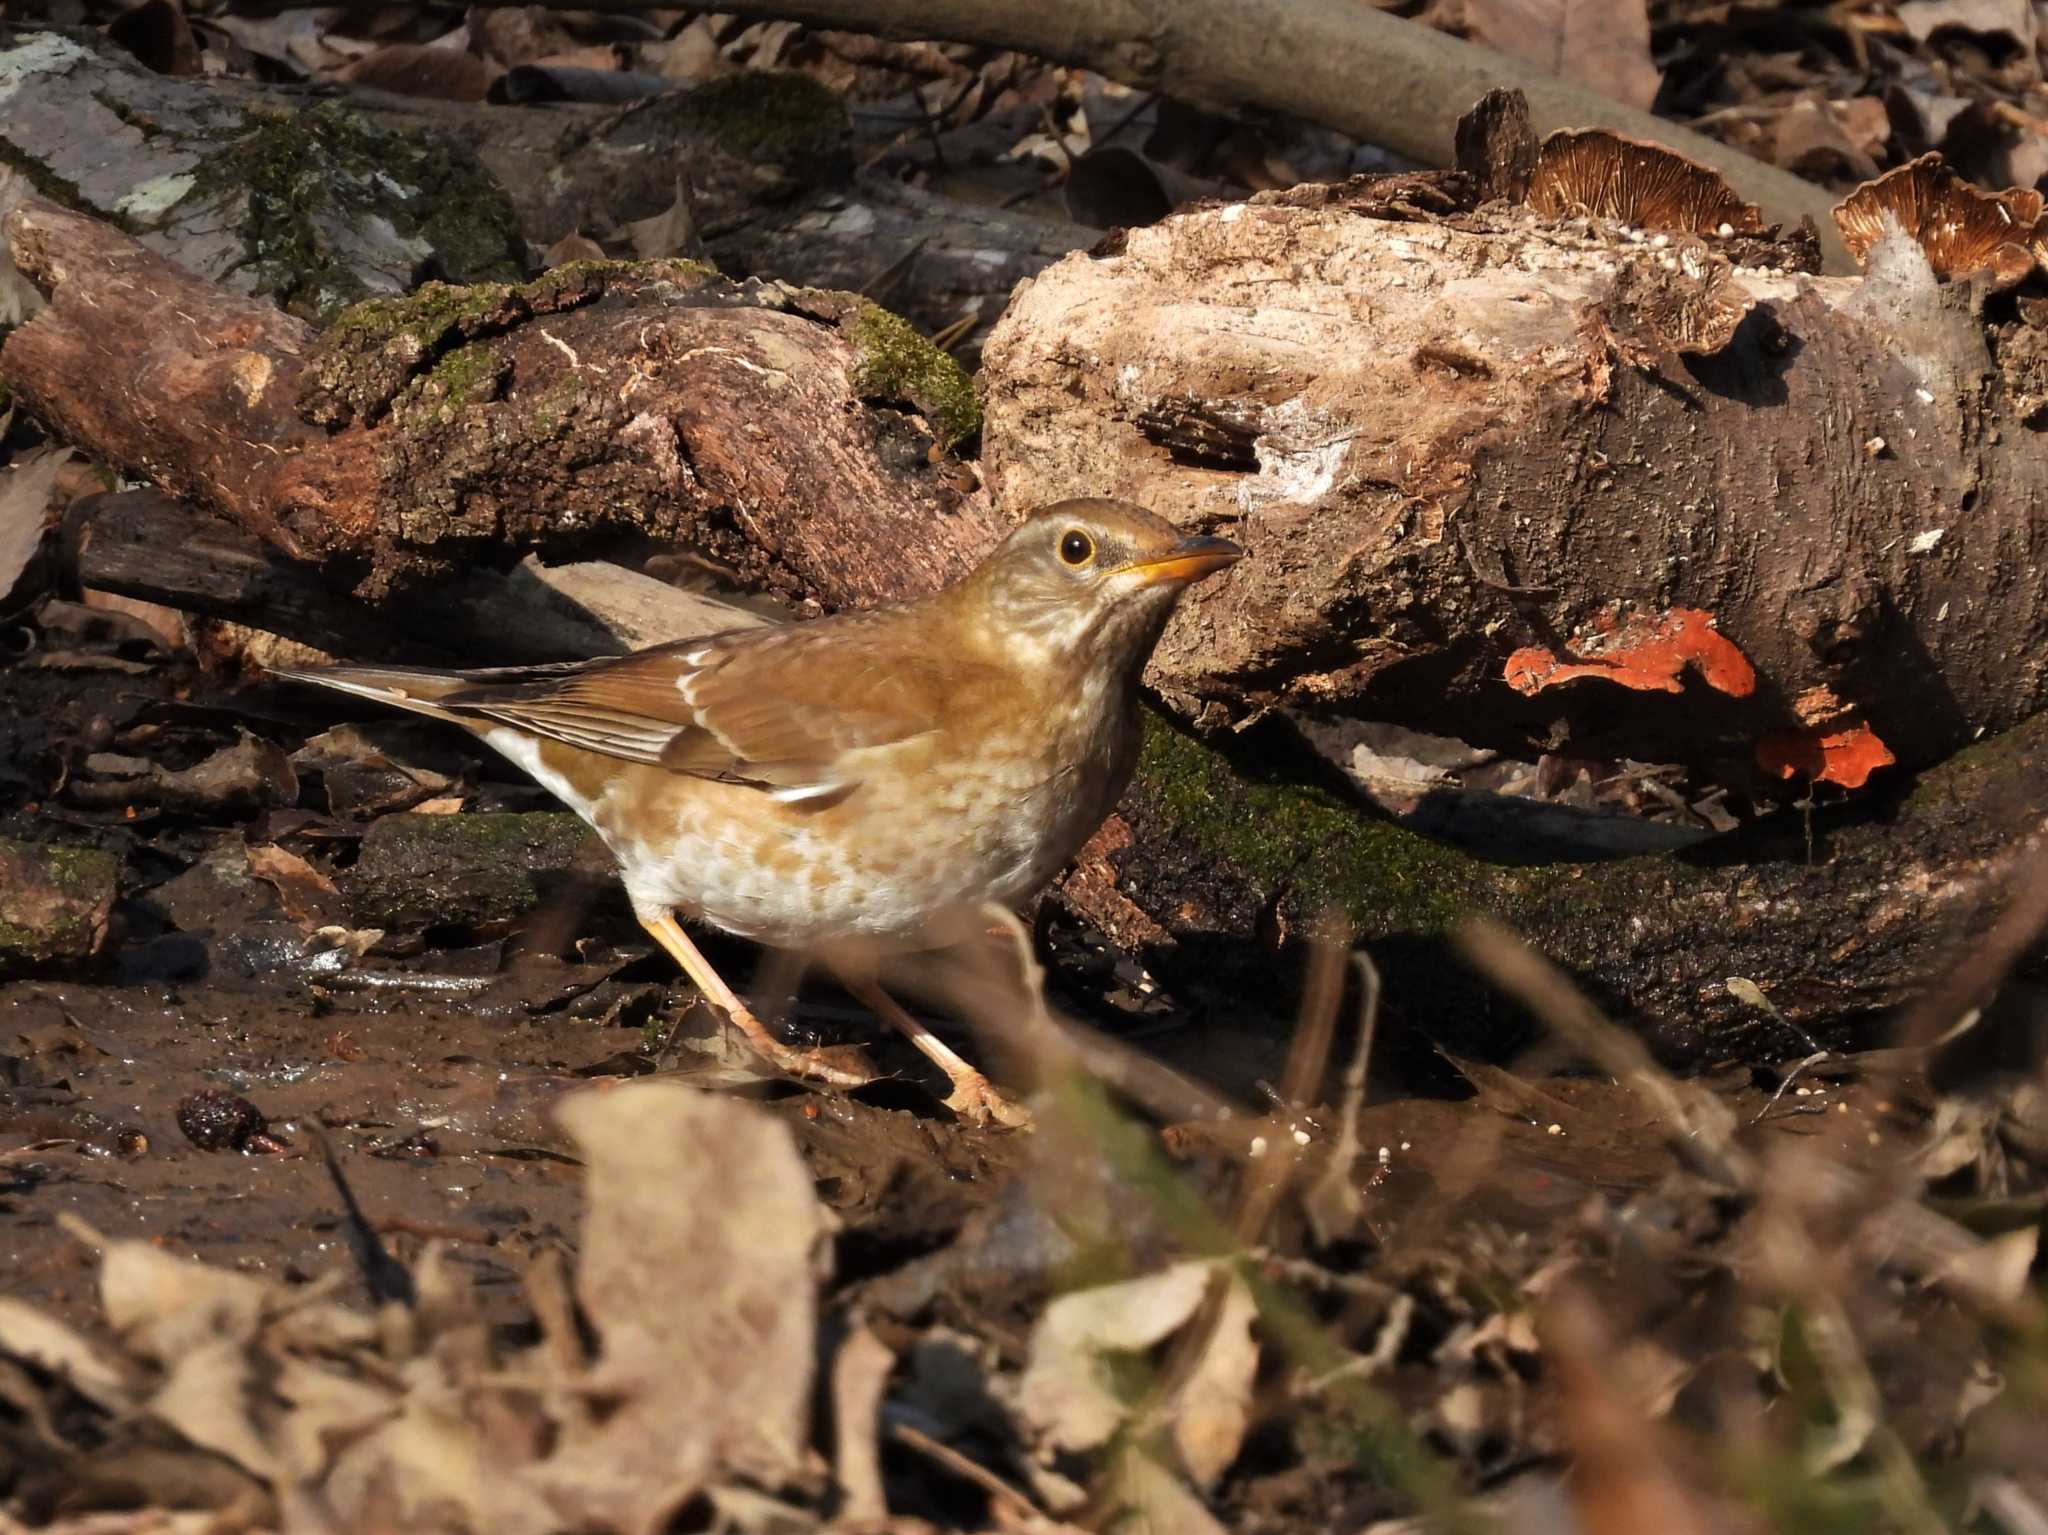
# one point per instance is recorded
(1001, 1491)
(1336, 1190)
(1812, 1060)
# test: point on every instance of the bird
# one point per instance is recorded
(860, 783)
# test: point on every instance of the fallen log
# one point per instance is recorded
(1219, 851)
(796, 437)
(1347, 66)
(1555, 485)
(147, 545)
(1217, 865)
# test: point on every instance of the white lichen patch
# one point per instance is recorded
(44, 53)
(152, 199)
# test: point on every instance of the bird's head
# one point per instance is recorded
(1089, 580)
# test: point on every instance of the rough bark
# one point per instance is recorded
(792, 435)
(1214, 861)
(1455, 443)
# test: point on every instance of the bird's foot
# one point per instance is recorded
(840, 1066)
(980, 1103)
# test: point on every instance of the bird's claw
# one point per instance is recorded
(980, 1103)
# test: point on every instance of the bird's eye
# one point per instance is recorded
(1076, 547)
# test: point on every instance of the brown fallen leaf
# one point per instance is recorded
(308, 896)
(699, 1274)
(672, 232)
(1604, 44)
(573, 246)
(24, 511)
(425, 69)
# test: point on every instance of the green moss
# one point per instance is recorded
(479, 870)
(469, 375)
(896, 363)
(428, 317)
(1328, 855)
(776, 117)
(326, 167)
(578, 282)
(80, 870)
(1962, 777)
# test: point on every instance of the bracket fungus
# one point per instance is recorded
(1962, 228)
(1645, 652)
(1592, 172)
(1844, 756)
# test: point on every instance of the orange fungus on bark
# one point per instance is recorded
(1647, 653)
(1841, 756)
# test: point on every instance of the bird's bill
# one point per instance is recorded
(1189, 560)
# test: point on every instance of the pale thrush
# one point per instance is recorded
(870, 779)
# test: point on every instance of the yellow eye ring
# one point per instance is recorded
(1076, 547)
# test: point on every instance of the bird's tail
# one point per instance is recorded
(403, 687)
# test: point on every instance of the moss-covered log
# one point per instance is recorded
(312, 203)
(797, 436)
(1216, 860)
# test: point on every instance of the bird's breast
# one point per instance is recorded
(937, 824)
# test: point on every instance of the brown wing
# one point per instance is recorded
(777, 707)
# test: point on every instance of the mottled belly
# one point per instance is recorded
(873, 867)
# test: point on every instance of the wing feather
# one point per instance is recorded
(780, 708)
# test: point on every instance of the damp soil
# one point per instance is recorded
(430, 1065)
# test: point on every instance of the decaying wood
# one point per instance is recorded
(1536, 484)
(794, 436)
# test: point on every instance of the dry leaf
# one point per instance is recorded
(1068, 1391)
(1213, 1405)
(704, 1201)
(1604, 44)
(672, 232)
(2012, 19)
(425, 69)
(43, 1341)
(573, 246)
(307, 895)
(24, 511)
